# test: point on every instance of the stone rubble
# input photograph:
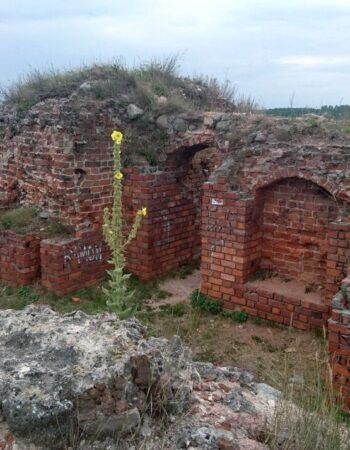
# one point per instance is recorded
(100, 382)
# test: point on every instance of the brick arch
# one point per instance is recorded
(282, 174)
(182, 151)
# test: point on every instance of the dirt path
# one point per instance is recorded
(179, 289)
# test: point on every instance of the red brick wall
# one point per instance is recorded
(19, 258)
(167, 237)
(295, 220)
(71, 264)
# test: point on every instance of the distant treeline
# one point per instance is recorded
(334, 111)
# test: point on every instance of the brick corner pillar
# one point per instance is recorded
(339, 343)
(338, 239)
(19, 258)
(230, 243)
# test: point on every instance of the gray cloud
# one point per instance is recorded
(269, 48)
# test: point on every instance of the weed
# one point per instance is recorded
(207, 355)
(261, 274)
(56, 227)
(236, 315)
(311, 287)
(257, 320)
(205, 303)
(177, 310)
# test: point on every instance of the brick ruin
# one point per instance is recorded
(264, 202)
(58, 158)
(287, 219)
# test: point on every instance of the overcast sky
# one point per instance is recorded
(271, 49)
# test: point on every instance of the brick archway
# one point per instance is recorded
(294, 220)
(236, 244)
(281, 174)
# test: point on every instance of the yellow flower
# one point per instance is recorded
(117, 137)
(118, 175)
(142, 212)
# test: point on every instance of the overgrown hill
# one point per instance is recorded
(154, 85)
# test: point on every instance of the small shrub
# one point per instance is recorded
(237, 315)
(257, 320)
(56, 227)
(176, 310)
(205, 303)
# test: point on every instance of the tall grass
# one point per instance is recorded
(308, 416)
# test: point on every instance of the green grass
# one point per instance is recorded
(18, 219)
(205, 303)
(89, 300)
(26, 219)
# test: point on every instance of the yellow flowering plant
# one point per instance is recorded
(119, 300)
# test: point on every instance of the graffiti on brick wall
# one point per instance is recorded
(84, 253)
(227, 227)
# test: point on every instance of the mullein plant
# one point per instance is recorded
(119, 299)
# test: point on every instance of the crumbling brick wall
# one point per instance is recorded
(59, 158)
(286, 211)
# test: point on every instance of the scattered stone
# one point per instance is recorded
(266, 391)
(251, 138)
(44, 214)
(162, 122)
(179, 125)
(134, 111)
(223, 125)
(161, 100)
(283, 133)
(260, 137)
(238, 403)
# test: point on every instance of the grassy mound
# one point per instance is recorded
(142, 84)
